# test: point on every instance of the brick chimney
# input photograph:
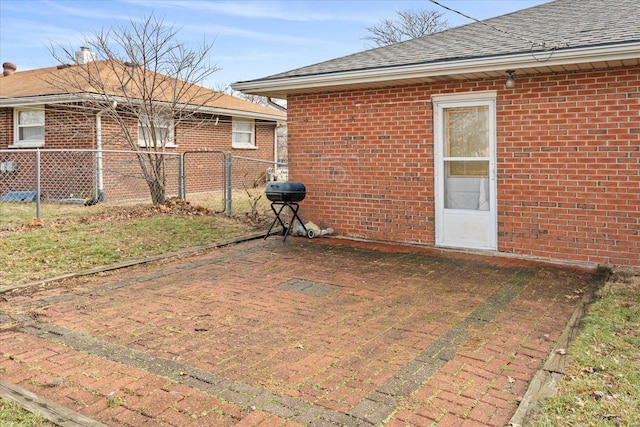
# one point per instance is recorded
(8, 68)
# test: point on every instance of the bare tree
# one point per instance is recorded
(139, 74)
(409, 24)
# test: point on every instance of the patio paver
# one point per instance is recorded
(307, 332)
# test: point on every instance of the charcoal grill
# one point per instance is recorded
(284, 196)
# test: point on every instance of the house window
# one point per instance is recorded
(28, 127)
(243, 133)
(155, 132)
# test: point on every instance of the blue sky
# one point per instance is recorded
(252, 39)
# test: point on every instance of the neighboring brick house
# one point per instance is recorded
(37, 112)
(425, 142)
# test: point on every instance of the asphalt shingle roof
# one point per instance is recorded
(561, 24)
(55, 81)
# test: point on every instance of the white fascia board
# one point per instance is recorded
(67, 98)
(243, 114)
(38, 100)
(52, 99)
(448, 68)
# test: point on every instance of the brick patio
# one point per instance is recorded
(319, 332)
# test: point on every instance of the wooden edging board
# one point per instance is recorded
(53, 412)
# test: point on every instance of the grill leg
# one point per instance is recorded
(277, 218)
(294, 207)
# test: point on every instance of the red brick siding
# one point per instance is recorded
(63, 175)
(63, 128)
(204, 169)
(568, 154)
(6, 127)
(66, 129)
(252, 174)
(8, 181)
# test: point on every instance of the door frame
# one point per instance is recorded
(469, 99)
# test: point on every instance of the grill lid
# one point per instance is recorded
(285, 191)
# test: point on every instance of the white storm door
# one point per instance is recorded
(464, 127)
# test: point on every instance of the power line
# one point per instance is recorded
(545, 45)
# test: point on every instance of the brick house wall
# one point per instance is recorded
(6, 127)
(63, 128)
(65, 174)
(205, 144)
(568, 163)
(7, 180)
(73, 173)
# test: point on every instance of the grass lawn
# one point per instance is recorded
(602, 386)
(102, 236)
(12, 415)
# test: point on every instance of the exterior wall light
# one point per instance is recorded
(511, 81)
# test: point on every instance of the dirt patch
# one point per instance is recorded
(171, 207)
(625, 278)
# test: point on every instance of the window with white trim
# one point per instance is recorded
(155, 131)
(28, 127)
(243, 134)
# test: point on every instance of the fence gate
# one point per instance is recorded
(246, 180)
(205, 179)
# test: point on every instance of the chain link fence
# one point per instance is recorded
(54, 184)
(205, 179)
(223, 182)
(247, 178)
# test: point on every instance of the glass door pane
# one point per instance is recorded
(466, 185)
(467, 132)
(466, 160)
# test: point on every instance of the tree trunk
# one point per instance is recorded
(158, 191)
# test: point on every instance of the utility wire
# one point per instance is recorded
(533, 43)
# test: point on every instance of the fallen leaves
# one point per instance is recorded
(172, 206)
(587, 370)
(575, 295)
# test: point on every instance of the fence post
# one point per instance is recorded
(96, 172)
(181, 178)
(229, 188)
(38, 183)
